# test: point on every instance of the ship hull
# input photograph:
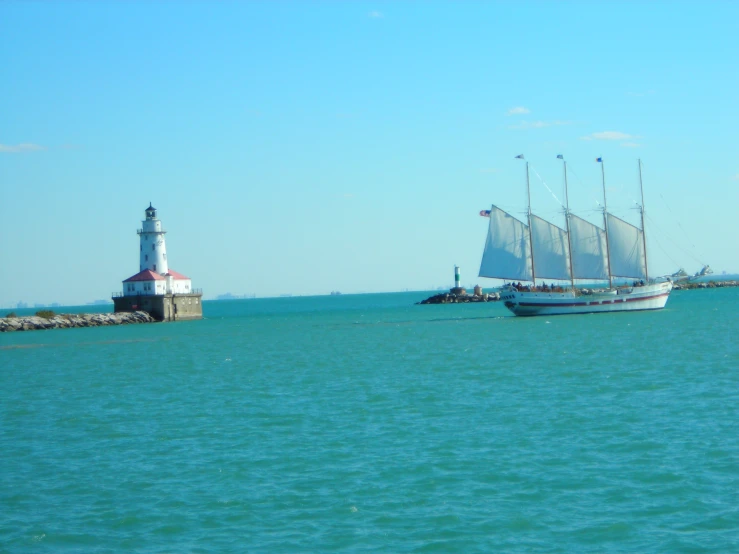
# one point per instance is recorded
(525, 303)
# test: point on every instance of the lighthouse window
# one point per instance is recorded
(164, 256)
(146, 257)
(152, 247)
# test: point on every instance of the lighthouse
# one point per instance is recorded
(458, 288)
(157, 289)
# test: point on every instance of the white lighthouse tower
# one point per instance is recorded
(164, 293)
(153, 250)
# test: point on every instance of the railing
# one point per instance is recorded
(153, 293)
(142, 232)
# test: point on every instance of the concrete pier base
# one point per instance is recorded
(163, 307)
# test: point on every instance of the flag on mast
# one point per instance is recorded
(519, 157)
(560, 157)
(599, 160)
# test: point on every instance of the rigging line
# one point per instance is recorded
(572, 170)
(682, 249)
(692, 255)
(545, 184)
(676, 220)
(664, 251)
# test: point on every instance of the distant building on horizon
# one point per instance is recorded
(162, 292)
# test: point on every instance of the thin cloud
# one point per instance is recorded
(538, 124)
(519, 110)
(609, 135)
(19, 148)
(375, 14)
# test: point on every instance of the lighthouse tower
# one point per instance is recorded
(153, 250)
(157, 289)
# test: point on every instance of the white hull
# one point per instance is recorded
(649, 297)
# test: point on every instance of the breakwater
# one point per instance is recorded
(460, 298)
(65, 321)
(708, 285)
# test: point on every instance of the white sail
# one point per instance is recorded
(507, 253)
(551, 254)
(589, 251)
(626, 244)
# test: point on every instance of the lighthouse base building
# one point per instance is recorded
(164, 306)
(162, 292)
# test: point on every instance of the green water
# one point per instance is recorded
(369, 424)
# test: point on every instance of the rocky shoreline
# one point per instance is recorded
(708, 285)
(66, 321)
(460, 298)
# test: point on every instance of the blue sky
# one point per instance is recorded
(305, 147)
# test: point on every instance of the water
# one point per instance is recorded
(368, 424)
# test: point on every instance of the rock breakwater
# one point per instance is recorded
(708, 285)
(452, 298)
(65, 321)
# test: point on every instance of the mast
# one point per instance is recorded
(643, 232)
(605, 220)
(531, 240)
(567, 220)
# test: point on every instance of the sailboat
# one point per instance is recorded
(538, 250)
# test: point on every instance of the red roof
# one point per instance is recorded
(146, 275)
(177, 275)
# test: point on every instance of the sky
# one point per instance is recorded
(308, 147)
